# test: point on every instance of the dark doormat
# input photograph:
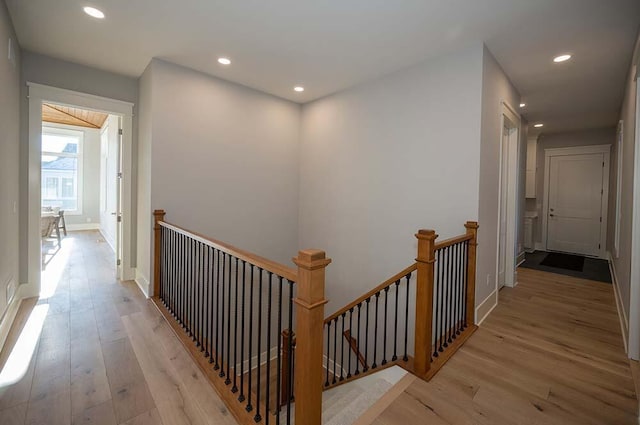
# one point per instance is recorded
(592, 269)
(563, 261)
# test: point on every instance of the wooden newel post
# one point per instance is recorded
(424, 301)
(309, 326)
(472, 229)
(158, 216)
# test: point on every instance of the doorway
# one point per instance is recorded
(507, 211)
(123, 111)
(576, 193)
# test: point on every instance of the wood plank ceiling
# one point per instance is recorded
(72, 116)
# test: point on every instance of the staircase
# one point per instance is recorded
(257, 330)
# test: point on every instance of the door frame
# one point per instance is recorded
(604, 207)
(38, 94)
(511, 119)
(634, 276)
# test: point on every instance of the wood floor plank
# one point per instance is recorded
(550, 353)
(100, 414)
(15, 415)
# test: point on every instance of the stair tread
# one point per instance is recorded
(352, 408)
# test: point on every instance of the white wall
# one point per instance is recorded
(143, 251)
(601, 136)
(224, 160)
(90, 176)
(53, 72)
(622, 264)
(496, 88)
(9, 158)
(383, 159)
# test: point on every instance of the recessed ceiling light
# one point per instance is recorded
(522, 105)
(224, 61)
(298, 88)
(93, 12)
(538, 125)
(561, 58)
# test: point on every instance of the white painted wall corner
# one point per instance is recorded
(486, 307)
(142, 282)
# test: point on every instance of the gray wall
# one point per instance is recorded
(496, 88)
(90, 176)
(45, 70)
(383, 159)
(9, 158)
(601, 136)
(224, 160)
(622, 264)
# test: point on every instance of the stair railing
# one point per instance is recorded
(229, 307)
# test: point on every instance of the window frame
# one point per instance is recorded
(79, 135)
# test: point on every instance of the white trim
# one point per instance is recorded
(634, 277)
(37, 95)
(619, 159)
(508, 115)
(486, 307)
(520, 259)
(10, 315)
(106, 238)
(272, 355)
(142, 282)
(622, 314)
(604, 206)
(82, 227)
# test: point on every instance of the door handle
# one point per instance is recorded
(113, 213)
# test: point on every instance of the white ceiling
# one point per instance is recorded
(330, 45)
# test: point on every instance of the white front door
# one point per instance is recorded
(576, 188)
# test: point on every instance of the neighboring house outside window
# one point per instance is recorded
(62, 169)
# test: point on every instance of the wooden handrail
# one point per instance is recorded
(254, 259)
(452, 241)
(372, 292)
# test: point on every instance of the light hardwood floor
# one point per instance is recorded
(104, 356)
(550, 353)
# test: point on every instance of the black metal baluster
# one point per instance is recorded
(358, 342)
(205, 300)
(197, 299)
(375, 334)
(291, 353)
(218, 315)
(395, 327)
(279, 348)
(366, 338)
(349, 342)
(437, 289)
(224, 262)
(202, 297)
(450, 294)
(406, 323)
(384, 339)
(342, 349)
(234, 389)
(183, 286)
(244, 285)
(228, 380)
(335, 350)
(249, 407)
(258, 417)
(454, 297)
(190, 291)
(210, 283)
(268, 347)
(326, 383)
(458, 284)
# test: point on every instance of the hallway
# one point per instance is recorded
(550, 353)
(103, 356)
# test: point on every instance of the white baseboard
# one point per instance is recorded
(622, 315)
(82, 226)
(486, 307)
(142, 282)
(10, 315)
(107, 238)
(520, 259)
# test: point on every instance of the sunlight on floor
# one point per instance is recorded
(52, 274)
(18, 362)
